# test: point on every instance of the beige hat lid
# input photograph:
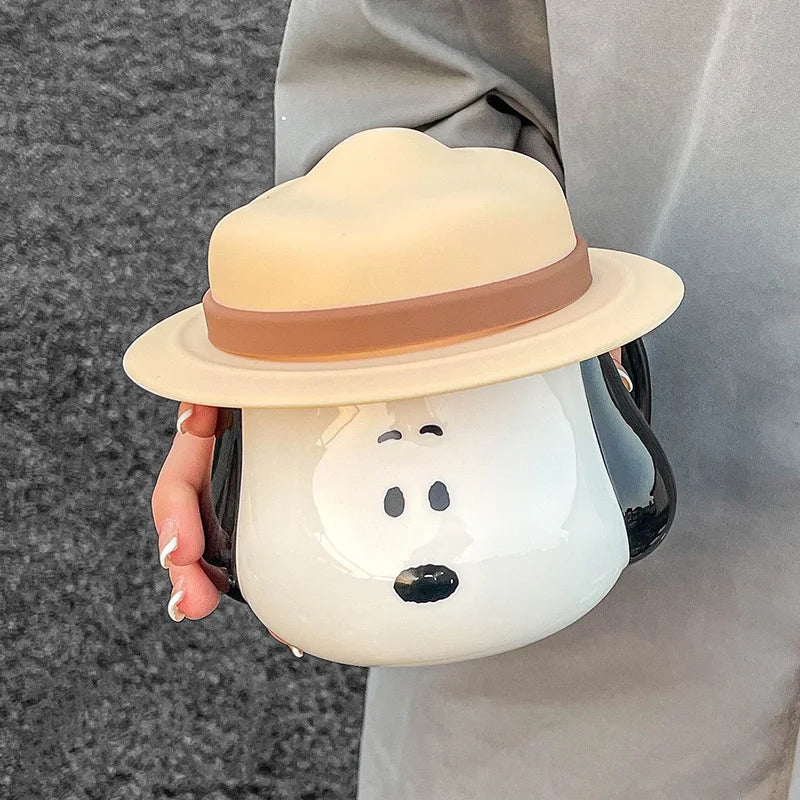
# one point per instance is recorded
(389, 214)
(388, 218)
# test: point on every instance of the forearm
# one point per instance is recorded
(349, 65)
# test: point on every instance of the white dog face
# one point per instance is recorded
(430, 530)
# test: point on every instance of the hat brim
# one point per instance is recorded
(630, 295)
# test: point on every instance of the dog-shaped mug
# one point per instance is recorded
(439, 529)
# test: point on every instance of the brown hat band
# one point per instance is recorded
(399, 324)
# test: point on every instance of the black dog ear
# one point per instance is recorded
(219, 503)
(637, 465)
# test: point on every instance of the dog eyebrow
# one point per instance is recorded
(435, 429)
(384, 437)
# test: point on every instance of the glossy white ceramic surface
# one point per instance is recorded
(533, 529)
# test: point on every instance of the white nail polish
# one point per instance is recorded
(296, 651)
(182, 418)
(169, 547)
(175, 614)
(625, 378)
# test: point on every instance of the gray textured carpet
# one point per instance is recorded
(126, 131)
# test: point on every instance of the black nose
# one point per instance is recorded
(426, 584)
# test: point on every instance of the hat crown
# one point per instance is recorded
(390, 214)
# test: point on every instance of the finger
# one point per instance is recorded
(197, 420)
(193, 594)
(176, 507)
(616, 355)
(188, 461)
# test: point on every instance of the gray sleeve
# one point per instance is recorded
(458, 71)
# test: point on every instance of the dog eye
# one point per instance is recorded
(434, 429)
(438, 496)
(384, 437)
(394, 503)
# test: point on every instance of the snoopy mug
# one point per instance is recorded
(426, 455)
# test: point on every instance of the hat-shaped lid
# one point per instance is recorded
(389, 215)
(398, 267)
(392, 241)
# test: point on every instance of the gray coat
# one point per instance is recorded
(678, 138)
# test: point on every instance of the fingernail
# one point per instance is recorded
(625, 378)
(169, 531)
(296, 651)
(182, 418)
(169, 547)
(175, 614)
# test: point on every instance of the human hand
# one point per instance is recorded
(176, 513)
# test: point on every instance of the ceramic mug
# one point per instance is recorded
(444, 528)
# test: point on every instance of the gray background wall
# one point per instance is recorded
(126, 131)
